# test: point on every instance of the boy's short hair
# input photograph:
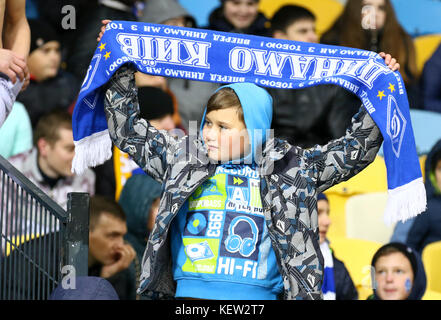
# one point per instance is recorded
(223, 99)
(288, 15)
(49, 125)
(394, 247)
(100, 205)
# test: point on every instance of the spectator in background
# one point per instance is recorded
(50, 88)
(140, 201)
(372, 25)
(313, 115)
(84, 43)
(155, 106)
(397, 274)
(239, 16)
(426, 227)
(49, 163)
(16, 132)
(431, 82)
(337, 283)
(191, 95)
(109, 255)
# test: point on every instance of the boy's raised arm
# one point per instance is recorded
(343, 158)
(130, 133)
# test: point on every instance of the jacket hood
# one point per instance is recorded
(257, 106)
(433, 155)
(136, 198)
(419, 282)
(158, 11)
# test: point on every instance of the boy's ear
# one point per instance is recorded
(279, 35)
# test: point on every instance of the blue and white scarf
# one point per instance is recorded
(221, 57)
(328, 286)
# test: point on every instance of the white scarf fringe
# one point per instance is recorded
(92, 151)
(405, 202)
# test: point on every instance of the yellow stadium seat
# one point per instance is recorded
(325, 11)
(365, 217)
(357, 256)
(432, 265)
(425, 46)
(15, 242)
(371, 179)
(431, 295)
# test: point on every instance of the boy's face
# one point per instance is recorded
(301, 30)
(44, 62)
(241, 13)
(323, 219)
(394, 276)
(225, 135)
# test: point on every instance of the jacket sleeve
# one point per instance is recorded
(131, 134)
(343, 158)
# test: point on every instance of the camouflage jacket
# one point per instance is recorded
(291, 178)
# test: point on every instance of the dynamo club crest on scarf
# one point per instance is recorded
(221, 57)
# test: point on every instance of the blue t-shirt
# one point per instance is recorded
(220, 243)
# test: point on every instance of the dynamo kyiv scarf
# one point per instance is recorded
(205, 55)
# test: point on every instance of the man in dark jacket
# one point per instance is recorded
(426, 227)
(337, 283)
(313, 115)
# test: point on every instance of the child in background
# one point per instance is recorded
(337, 282)
(398, 273)
(50, 87)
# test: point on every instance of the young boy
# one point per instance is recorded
(398, 273)
(234, 222)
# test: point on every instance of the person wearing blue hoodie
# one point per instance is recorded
(398, 273)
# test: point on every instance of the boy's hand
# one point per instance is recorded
(390, 62)
(123, 259)
(103, 29)
(13, 65)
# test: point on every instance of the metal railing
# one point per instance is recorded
(41, 243)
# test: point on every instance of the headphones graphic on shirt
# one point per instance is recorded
(235, 243)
